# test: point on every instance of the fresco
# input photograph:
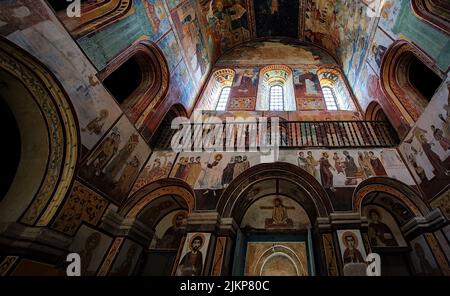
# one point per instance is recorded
(356, 28)
(348, 168)
(158, 167)
(168, 234)
(276, 18)
(320, 24)
(226, 24)
(182, 88)
(383, 230)
(115, 164)
(186, 23)
(41, 35)
(352, 247)
(380, 44)
(427, 147)
(92, 246)
(275, 212)
(422, 258)
(276, 259)
(308, 91)
(253, 53)
(212, 171)
(147, 21)
(171, 50)
(245, 85)
(193, 256)
(126, 260)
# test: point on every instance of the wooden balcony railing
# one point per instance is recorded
(292, 134)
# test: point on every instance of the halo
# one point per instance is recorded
(178, 214)
(349, 233)
(201, 235)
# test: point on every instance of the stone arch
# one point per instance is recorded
(94, 16)
(54, 120)
(434, 12)
(404, 193)
(234, 197)
(153, 84)
(142, 198)
(395, 80)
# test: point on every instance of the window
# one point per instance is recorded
(276, 101)
(330, 99)
(223, 99)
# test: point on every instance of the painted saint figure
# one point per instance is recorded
(380, 234)
(279, 214)
(92, 242)
(351, 253)
(377, 165)
(325, 172)
(192, 262)
(302, 161)
(312, 163)
(228, 173)
(172, 237)
(434, 159)
(439, 136)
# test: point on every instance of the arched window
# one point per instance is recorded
(335, 92)
(217, 93)
(276, 101)
(330, 98)
(276, 89)
(223, 99)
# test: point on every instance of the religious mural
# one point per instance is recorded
(380, 44)
(275, 212)
(348, 168)
(115, 164)
(443, 203)
(226, 24)
(168, 234)
(169, 46)
(91, 245)
(158, 167)
(383, 230)
(193, 255)
(352, 247)
(253, 53)
(277, 18)
(422, 258)
(185, 19)
(308, 91)
(427, 147)
(126, 260)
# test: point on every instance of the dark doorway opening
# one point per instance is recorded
(11, 150)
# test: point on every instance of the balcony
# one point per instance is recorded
(292, 134)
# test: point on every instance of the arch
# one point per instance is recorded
(331, 77)
(374, 112)
(49, 103)
(404, 193)
(94, 16)
(234, 197)
(276, 76)
(153, 81)
(142, 198)
(395, 80)
(434, 12)
(219, 79)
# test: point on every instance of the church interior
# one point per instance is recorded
(103, 103)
